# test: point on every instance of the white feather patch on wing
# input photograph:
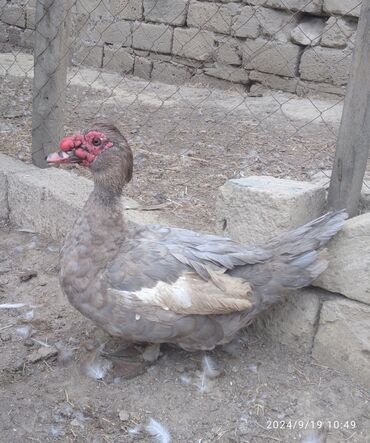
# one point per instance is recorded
(192, 295)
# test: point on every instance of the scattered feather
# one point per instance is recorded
(158, 431)
(28, 316)
(41, 343)
(316, 437)
(185, 379)
(12, 305)
(137, 431)
(53, 247)
(253, 368)
(65, 354)
(23, 331)
(210, 367)
(204, 384)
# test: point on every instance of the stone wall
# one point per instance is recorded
(298, 46)
(331, 323)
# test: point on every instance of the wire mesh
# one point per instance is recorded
(204, 90)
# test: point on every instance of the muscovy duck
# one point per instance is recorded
(156, 284)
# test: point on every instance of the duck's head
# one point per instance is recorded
(103, 149)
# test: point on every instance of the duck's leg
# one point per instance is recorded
(129, 360)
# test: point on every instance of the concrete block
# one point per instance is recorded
(305, 88)
(349, 260)
(292, 322)
(326, 65)
(143, 67)
(254, 209)
(246, 24)
(229, 73)
(119, 60)
(193, 43)
(14, 15)
(152, 37)
(118, 32)
(166, 11)
(308, 32)
(228, 51)
(14, 35)
(278, 58)
(313, 6)
(49, 200)
(171, 73)
(342, 341)
(337, 32)
(127, 9)
(88, 55)
(276, 24)
(211, 16)
(272, 81)
(343, 7)
(9, 166)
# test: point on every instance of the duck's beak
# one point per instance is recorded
(59, 157)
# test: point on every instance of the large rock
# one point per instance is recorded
(343, 7)
(246, 24)
(118, 32)
(276, 24)
(308, 32)
(272, 57)
(193, 43)
(342, 341)
(13, 15)
(126, 9)
(229, 73)
(326, 65)
(151, 37)
(171, 73)
(293, 322)
(227, 51)
(337, 32)
(313, 6)
(119, 60)
(349, 261)
(166, 11)
(211, 16)
(253, 209)
(272, 81)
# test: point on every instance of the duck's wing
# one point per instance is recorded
(182, 271)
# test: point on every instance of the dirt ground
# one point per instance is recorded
(49, 365)
(187, 141)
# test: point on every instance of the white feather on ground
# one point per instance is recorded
(12, 305)
(158, 431)
(210, 367)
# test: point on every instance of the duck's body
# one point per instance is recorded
(156, 284)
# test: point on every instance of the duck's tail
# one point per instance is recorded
(297, 258)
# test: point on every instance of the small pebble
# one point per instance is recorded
(123, 415)
(42, 354)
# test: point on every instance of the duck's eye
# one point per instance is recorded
(96, 141)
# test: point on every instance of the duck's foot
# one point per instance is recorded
(130, 361)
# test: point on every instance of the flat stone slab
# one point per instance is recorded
(256, 208)
(293, 322)
(349, 261)
(342, 341)
(50, 200)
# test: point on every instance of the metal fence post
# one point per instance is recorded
(354, 133)
(50, 75)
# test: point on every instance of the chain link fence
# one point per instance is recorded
(204, 90)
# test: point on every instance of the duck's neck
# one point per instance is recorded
(91, 245)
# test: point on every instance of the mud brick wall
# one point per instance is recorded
(299, 46)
